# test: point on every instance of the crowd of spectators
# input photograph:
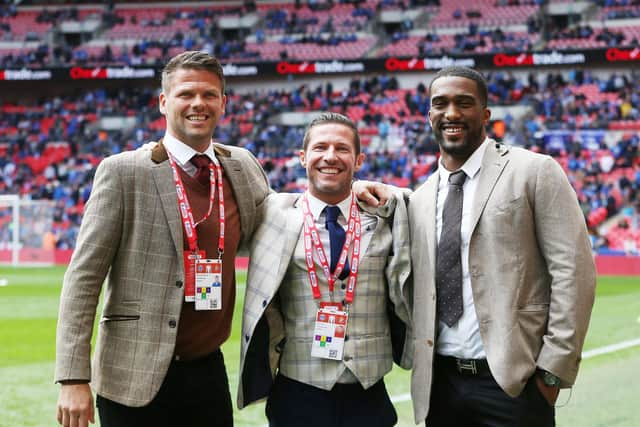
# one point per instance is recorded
(51, 147)
(309, 22)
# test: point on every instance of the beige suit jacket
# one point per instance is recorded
(532, 273)
(131, 235)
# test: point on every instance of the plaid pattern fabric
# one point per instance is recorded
(131, 235)
(384, 271)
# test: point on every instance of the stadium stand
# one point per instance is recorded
(588, 120)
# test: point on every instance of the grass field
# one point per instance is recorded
(605, 394)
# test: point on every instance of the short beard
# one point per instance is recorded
(461, 150)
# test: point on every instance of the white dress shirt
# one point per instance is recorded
(182, 153)
(463, 339)
(368, 222)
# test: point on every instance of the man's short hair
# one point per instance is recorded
(468, 73)
(330, 117)
(192, 60)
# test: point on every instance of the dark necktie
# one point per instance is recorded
(336, 239)
(201, 162)
(449, 262)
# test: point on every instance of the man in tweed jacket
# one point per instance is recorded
(280, 309)
(132, 236)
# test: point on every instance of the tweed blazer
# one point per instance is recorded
(131, 235)
(271, 253)
(532, 272)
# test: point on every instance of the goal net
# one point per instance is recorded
(26, 231)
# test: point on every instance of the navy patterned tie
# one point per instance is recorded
(201, 161)
(336, 239)
(448, 260)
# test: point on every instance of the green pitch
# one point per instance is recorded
(605, 393)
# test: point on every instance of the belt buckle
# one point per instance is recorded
(467, 365)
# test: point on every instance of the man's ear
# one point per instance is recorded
(303, 159)
(162, 103)
(359, 162)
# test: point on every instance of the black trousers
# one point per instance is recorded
(193, 394)
(295, 404)
(476, 400)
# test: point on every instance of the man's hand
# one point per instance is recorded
(550, 393)
(75, 405)
(372, 193)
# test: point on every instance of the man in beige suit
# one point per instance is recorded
(151, 228)
(318, 373)
(495, 341)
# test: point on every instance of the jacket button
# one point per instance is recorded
(430, 343)
(264, 303)
(343, 286)
(178, 283)
(246, 337)
(172, 323)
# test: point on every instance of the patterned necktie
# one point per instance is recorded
(449, 262)
(336, 239)
(201, 162)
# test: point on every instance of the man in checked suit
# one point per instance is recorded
(495, 350)
(157, 360)
(280, 339)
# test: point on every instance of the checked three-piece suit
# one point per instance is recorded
(377, 318)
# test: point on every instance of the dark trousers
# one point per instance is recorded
(295, 404)
(193, 394)
(464, 399)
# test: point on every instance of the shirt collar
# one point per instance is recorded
(316, 206)
(182, 153)
(471, 167)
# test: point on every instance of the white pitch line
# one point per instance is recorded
(610, 348)
(585, 355)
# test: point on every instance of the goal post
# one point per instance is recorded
(26, 231)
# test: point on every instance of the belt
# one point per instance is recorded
(464, 366)
(176, 358)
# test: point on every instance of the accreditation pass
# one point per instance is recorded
(328, 334)
(208, 292)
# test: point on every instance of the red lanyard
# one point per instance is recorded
(312, 241)
(185, 207)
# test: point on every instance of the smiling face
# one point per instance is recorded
(330, 160)
(458, 118)
(193, 102)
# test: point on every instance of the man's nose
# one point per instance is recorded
(330, 153)
(452, 112)
(197, 101)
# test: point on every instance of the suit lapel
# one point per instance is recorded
(163, 179)
(493, 163)
(293, 224)
(428, 206)
(281, 230)
(238, 180)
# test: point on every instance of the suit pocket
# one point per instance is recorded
(118, 318)
(535, 307)
(121, 312)
(504, 216)
(532, 321)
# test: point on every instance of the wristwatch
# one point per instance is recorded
(549, 379)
